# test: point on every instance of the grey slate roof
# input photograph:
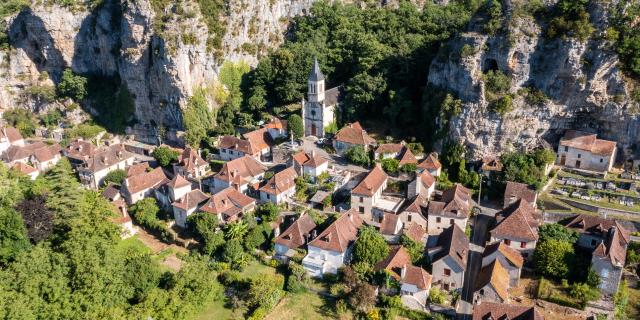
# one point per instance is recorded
(316, 73)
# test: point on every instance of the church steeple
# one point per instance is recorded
(316, 83)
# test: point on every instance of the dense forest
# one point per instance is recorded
(61, 258)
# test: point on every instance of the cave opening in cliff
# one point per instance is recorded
(490, 64)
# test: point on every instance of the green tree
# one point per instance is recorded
(72, 85)
(357, 155)
(296, 127)
(370, 247)
(165, 155)
(621, 300)
(204, 225)
(390, 165)
(236, 230)
(254, 238)
(233, 252)
(22, 119)
(584, 293)
(553, 258)
(268, 211)
(115, 176)
(197, 118)
(414, 248)
(557, 232)
(13, 235)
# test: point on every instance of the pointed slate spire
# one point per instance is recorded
(316, 73)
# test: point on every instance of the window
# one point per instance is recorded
(409, 218)
(566, 148)
(579, 156)
(507, 241)
(525, 255)
(453, 285)
(361, 199)
(447, 272)
(523, 244)
(313, 112)
(451, 221)
(593, 242)
(438, 219)
(361, 209)
(601, 160)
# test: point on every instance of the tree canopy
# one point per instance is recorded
(370, 247)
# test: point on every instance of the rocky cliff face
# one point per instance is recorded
(119, 39)
(585, 87)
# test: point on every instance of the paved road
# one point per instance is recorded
(474, 262)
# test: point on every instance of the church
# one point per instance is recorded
(318, 111)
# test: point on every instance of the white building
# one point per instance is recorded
(454, 208)
(10, 137)
(280, 188)
(583, 150)
(366, 195)
(239, 174)
(96, 167)
(187, 205)
(190, 164)
(142, 185)
(319, 111)
(331, 249)
(309, 164)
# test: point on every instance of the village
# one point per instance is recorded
(330, 198)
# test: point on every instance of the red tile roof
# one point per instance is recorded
(190, 160)
(354, 134)
(80, 149)
(415, 231)
(340, 234)
(260, 138)
(241, 170)
(516, 190)
(397, 258)
(518, 221)
(137, 169)
(453, 243)
(281, 182)
(371, 183)
(312, 160)
(496, 276)
(389, 223)
(514, 256)
(107, 157)
(144, 181)
(427, 179)
(24, 168)
(503, 311)
(235, 143)
(228, 203)
(297, 234)
(10, 134)
(430, 163)
(456, 203)
(191, 200)
(588, 142)
(615, 236)
(417, 276)
(178, 181)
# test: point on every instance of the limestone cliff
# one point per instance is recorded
(161, 68)
(585, 87)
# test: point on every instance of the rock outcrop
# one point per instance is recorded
(585, 87)
(119, 39)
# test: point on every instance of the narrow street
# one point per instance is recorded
(474, 261)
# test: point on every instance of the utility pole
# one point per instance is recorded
(480, 189)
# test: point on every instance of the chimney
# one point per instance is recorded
(104, 159)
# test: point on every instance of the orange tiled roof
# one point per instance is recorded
(260, 138)
(10, 134)
(417, 276)
(354, 134)
(241, 170)
(516, 190)
(497, 277)
(297, 234)
(339, 235)
(430, 163)
(371, 183)
(397, 258)
(503, 311)
(235, 143)
(281, 182)
(228, 202)
(513, 255)
(145, 180)
(517, 221)
(24, 168)
(190, 200)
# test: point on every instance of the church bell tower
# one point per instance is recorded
(316, 83)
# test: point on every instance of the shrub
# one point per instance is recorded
(42, 93)
(390, 165)
(503, 105)
(165, 155)
(467, 51)
(296, 127)
(553, 258)
(496, 83)
(436, 296)
(357, 155)
(115, 176)
(72, 85)
(21, 119)
(534, 96)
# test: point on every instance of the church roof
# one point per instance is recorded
(316, 73)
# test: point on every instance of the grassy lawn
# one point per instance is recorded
(133, 243)
(215, 310)
(303, 306)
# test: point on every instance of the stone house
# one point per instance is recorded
(517, 227)
(229, 205)
(187, 205)
(38, 155)
(415, 212)
(231, 147)
(510, 259)
(172, 191)
(142, 185)
(97, 165)
(608, 240)
(449, 258)
(424, 185)
(515, 190)
(583, 150)
(492, 284)
(398, 151)
(430, 164)
(350, 136)
(78, 151)
(240, 174)
(368, 192)
(280, 188)
(318, 112)
(414, 281)
(453, 208)
(297, 235)
(191, 165)
(503, 311)
(262, 140)
(309, 164)
(331, 249)
(10, 136)
(26, 169)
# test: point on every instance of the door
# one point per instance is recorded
(577, 163)
(563, 159)
(314, 130)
